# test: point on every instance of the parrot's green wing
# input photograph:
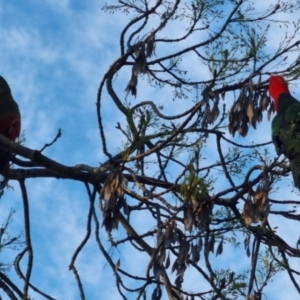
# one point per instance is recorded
(10, 119)
(286, 133)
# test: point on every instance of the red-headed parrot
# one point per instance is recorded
(10, 119)
(286, 124)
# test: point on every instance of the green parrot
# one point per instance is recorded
(286, 124)
(10, 119)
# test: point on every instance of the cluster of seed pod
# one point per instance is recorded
(248, 109)
(113, 194)
(186, 251)
(257, 206)
(197, 212)
(142, 50)
(211, 113)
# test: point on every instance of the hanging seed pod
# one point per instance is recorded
(216, 97)
(195, 254)
(140, 64)
(265, 181)
(262, 203)
(258, 114)
(112, 192)
(174, 266)
(156, 294)
(178, 281)
(220, 248)
(231, 129)
(211, 243)
(168, 237)
(247, 241)
(162, 256)
(150, 45)
(244, 130)
(254, 120)
(199, 244)
(112, 188)
(259, 81)
(236, 106)
(298, 244)
(131, 86)
(251, 88)
(248, 212)
(211, 94)
(215, 110)
(264, 101)
(117, 265)
(126, 209)
(270, 110)
(248, 251)
(137, 50)
(157, 271)
(188, 218)
(174, 237)
(250, 109)
(208, 115)
(223, 95)
(159, 236)
(167, 265)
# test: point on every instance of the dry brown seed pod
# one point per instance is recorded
(264, 102)
(117, 265)
(168, 237)
(140, 64)
(244, 129)
(236, 106)
(223, 95)
(199, 244)
(254, 120)
(162, 256)
(251, 88)
(258, 114)
(247, 241)
(159, 236)
(250, 110)
(220, 248)
(208, 115)
(259, 81)
(195, 254)
(248, 251)
(248, 212)
(174, 266)
(167, 261)
(156, 294)
(150, 43)
(178, 281)
(188, 218)
(215, 111)
(211, 243)
(131, 86)
(157, 270)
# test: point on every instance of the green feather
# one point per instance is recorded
(7, 104)
(286, 132)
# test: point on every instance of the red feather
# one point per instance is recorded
(277, 86)
(10, 126)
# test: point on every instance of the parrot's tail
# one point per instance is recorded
(295, 167)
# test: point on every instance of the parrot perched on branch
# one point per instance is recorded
(286, 124)
(10, 119)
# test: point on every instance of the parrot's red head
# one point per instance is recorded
(277, 86)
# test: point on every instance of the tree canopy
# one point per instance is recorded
(191, 182)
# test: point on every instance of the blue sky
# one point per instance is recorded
(53, 55)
